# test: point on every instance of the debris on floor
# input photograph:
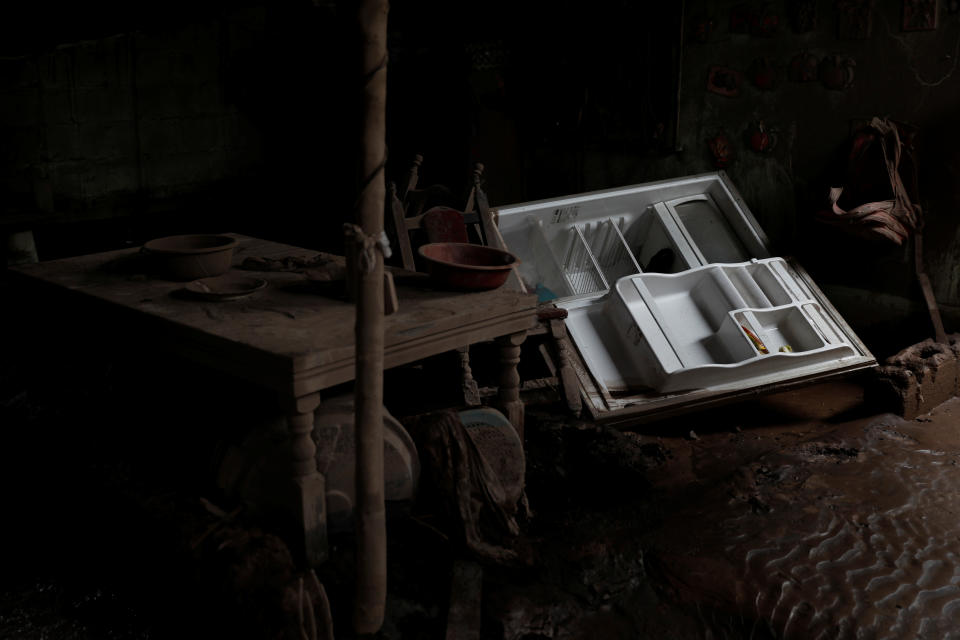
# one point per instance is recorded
(920, 377)
(474, 500)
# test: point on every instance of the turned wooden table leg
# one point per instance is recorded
(509, 391)
(308, 485)
(471, 392)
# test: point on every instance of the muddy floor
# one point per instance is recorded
(801, 515)
(847, 532)
(808, 514)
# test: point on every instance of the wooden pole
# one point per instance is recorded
(371, 590)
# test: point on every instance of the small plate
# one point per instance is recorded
(230, 286)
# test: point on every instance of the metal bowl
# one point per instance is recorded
(191, 256)
(470, 267)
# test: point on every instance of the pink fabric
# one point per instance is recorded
(893, 219)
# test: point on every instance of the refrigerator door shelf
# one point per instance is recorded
(697, 327)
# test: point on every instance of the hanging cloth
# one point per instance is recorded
(893, 219)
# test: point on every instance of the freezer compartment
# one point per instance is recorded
(714, 236)
(705, 328)
(581, 245)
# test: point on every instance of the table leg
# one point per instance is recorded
(568, 377)
(509, 391)
(308, 499)
(471, 392)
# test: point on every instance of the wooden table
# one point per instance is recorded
(293, 341)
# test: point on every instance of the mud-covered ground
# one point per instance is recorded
(807, 514)
(801, 515)
(850, 533)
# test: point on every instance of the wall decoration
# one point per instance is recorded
(702, 28)
(721, 150)
(761, 139)
(836, 72)
(803, 67)
(803, 15)
(724, 81)
(740, 18)
(854, 19)
(919, 15)
(765, 22)
(763, 74)
(953, 7)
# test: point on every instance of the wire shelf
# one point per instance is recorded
(612, 251)
(580, 268)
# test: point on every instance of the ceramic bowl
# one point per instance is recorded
(191, 256)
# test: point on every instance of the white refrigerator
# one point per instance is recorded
(674, 299)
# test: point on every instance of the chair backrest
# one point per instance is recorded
(440, 223)
(443, 224)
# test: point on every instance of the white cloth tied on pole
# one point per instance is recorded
(368, 244)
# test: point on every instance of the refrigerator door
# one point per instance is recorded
(673, 298)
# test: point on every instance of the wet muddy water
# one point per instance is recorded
(850, 530)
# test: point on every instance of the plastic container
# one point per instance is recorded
(459, 265)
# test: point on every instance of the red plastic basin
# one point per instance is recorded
(472, 267)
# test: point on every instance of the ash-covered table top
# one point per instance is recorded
(293, 329)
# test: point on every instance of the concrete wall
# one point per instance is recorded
(238, 116)
(87, 126)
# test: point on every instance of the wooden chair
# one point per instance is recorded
(406, 211)
(407, 214)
